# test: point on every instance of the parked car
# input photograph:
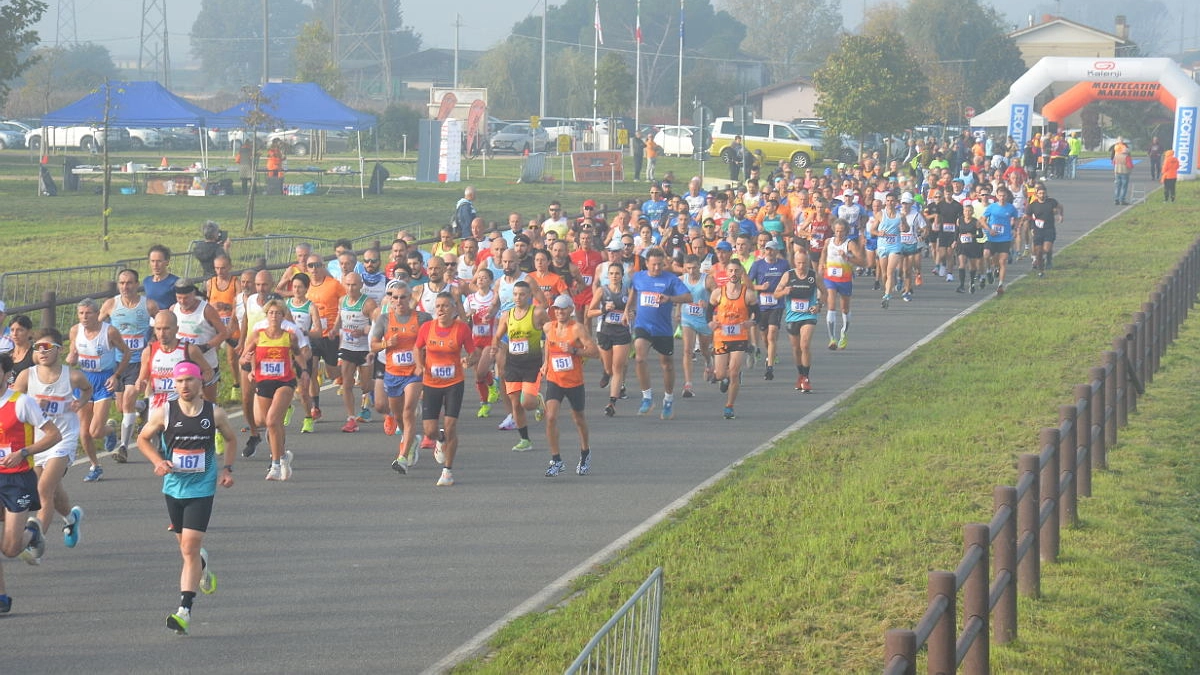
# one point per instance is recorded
(678, 141)
(301, 142)
(86, 138)
(11, 136)
(520, 137)
(801, 146)
(144, 138)
(180, 138)
(233, 137)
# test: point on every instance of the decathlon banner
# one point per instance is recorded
(1185, 139)
(1018, 123)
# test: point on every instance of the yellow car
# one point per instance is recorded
(799, 145)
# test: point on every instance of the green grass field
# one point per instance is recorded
(802, 558)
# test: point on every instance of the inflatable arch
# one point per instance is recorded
(1136, 76)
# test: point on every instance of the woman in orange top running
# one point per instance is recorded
(731, 331)
(440, 345)
(567, 344)
(270, 356)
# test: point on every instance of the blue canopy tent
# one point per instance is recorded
(303, 105)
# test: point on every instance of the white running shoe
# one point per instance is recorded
(285, 465)
(274, 472)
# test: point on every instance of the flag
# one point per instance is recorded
(637, 31)
(681, 20)
(599, 30)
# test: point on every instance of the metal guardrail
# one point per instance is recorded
(628, 642)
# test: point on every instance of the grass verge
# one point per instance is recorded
(806, 554)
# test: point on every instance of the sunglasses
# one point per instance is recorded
(46, 346)
(368, 261)
(312, 265)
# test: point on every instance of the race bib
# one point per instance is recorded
(134, 342)
(518, 347)
(188, 461)
(91, 363)
(695, 309)
(800, 306)
(732, 331)
(1039, 223)
(443, 372)
(612, 317)
(5, 450)
(965, 238)
(948, 227)
(767, 300)
(224, 320)
(587, 279)
(481, 329)
(649, 299)
(53, 406)
(562, 364)
(836, 272)
(402, 358)
(271, 368)
(889, 238)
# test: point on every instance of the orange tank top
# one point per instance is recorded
(731, 315)
(224, 301)
(563, 368)
(443, 353)
(399, 359)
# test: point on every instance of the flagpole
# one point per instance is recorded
(637, 78)
(596, 63)
(679, 86)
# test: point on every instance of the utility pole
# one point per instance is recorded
(542, 91)
(458, 24)
(266, 52)
(65, 33)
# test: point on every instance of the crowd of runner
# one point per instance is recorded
(400, 334)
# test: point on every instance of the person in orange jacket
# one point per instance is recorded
(1170, 173)
(275, 159)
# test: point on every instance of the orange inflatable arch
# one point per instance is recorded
(1085, 92)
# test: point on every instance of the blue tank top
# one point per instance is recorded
(134, 326)
(889, 230)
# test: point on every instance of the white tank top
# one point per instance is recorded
(95, 354)
(353, 317)
(193, 329)
(478, 309)
(55, 399)
(162, 372)
(428, 297)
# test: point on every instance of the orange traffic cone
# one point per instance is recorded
(164, 164)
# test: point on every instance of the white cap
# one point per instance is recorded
(906, 198)
(563, 302)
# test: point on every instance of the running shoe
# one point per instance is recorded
(805, 385)
(647, 404)
(208, 580)
(414, 456)
(389, 425)
(799, 382)
(71, 530)
(5, 604)
(541, 409)
(842, 341)
(33, 553)
(623, 395)
(398, 465)
(920, 280)
(251, 445)
(687, 391)
(287, 416)
(832, 345)
(729, 413)
(605, 379)
(584, 465)
(350, 427)
(610, 410)
(1041, 273)
(554, 469)
(285, 465)
(315, 413)
(949, 277)
(446, 479)
(1000, 289)
(427, 443)
(990, 277)
(876, 286)
(972, 288)
(769, 374)
(179, 621)
(275, 472)
(907, 297)
(306, 427)
(523, 445)
(724, 384)
(438, 455)
(485, 409)
(886, 300)
(110, 440)
(508, 424)
(960, 289)
(94, 474)
(668, 410)
(121, 454)
(493, 392)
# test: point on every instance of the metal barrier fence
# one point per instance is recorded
(1028, 518)
(628, 642)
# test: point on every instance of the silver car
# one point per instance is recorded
(519, 137)
(11, 136)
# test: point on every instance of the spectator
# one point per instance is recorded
(216, 241)
(464, 213)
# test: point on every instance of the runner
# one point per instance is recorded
(612, 337)
(159, 358)
(731, 329)
(200, 323)
(254, 314)
(971, 237)
(651, 297)
(395, 334)
(801, 293)
(326, 293)
(222, 291)
(270, 354)
(160, 285)
(764, 278)
(130, 313)
(20, 417)
(510, 274)
(53, 386)
(1043, 213)
(439, 348)
(887, 228)
(186, 429)
(693, 321)
(567, 344)
(837, 263)
(304, 315)
(353, 327)
(480, 308)
(999, 218)
(94, 349)
(519, 331)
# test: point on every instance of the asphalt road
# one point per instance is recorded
(350, 567)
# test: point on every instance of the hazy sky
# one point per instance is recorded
(116, 24)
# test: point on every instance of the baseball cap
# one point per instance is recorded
(563, 302)
(774, 245)
(521, 238)
(906, 198)
(589, 202)
(614, 245)
(724, 246)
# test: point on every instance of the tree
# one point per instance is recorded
(314, 58)
(615, 88)
(227, 37)
(17, 36)
(509, 71)
(61, 75)
(364, 33)
(809, 32)
(870, 83)
(396, 122)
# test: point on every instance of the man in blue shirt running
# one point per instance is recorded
(999, 217)
(649, 311)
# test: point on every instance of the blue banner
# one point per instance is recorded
(1185, 139)
(1019, 121)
